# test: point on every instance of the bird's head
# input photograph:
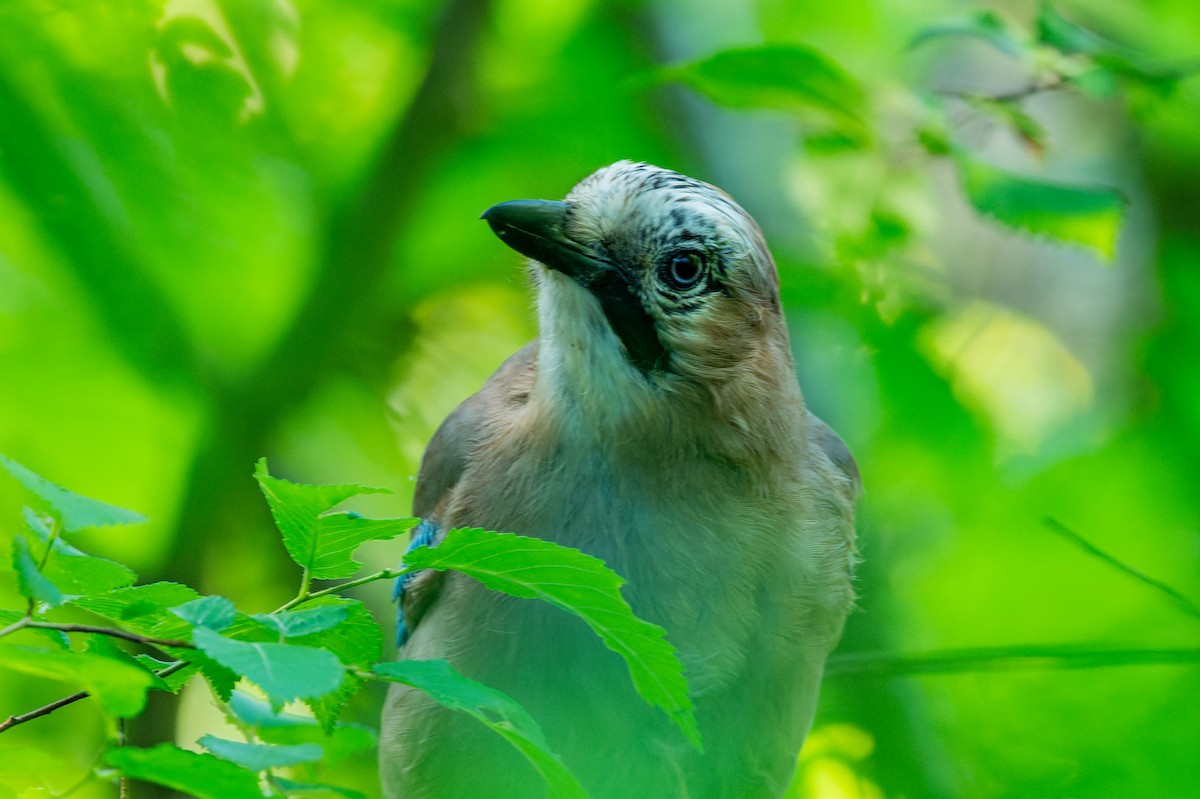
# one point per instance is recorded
(650, 277)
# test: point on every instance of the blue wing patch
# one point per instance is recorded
(414, 592)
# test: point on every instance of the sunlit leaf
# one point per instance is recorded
(1086, 215)
(291, 788)
(118, 686)
(260, 757)
(76, 512)
(319, 541)
(200, 775)
(489, 707)
(577, 583)
(144, 609)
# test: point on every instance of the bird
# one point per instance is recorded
(656, 422)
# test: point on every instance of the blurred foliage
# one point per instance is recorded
(230, 229)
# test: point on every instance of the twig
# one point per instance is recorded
(1006, 658)
(45, 710)
(13, 721)
(1179, 600)
(111, 632)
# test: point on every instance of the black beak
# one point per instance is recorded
(537, 229)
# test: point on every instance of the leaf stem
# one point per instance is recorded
(55, 531)
(386, 574)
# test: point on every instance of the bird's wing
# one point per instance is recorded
(442, 466)
(838, 453)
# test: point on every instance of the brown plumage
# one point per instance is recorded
(656, 423)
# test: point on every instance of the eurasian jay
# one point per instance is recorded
(655, 423)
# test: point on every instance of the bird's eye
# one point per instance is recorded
(685, 268)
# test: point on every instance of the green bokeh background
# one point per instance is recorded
(231, 229)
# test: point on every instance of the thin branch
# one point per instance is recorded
(19, 624)
(111, 632)
(45, 710)
(1006, 658)
(1178, 599)
(386, 574)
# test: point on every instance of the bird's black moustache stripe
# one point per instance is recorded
(630, 322)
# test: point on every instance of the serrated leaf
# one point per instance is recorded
(317, 540)
(1086, 215)
(985, 26)
(200, 775)
(30, 581)
(357, 640)
(494, 709)
(284, 672)
(260, 757)
(307, 621)
(577, 583)
(786, 77)
(120, 687)
(76, 512)
(210, 612)
(144, 609)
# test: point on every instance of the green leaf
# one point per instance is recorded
(210, 612)
(120, 687)
(29, 762)
(200, 775)
(30, 580)
(310, 620)
(357, 640)
(323, 542)
(76, 512)
(986, 26)
(144, 609)
(1085, 215)
(284, 672)
(786, 77)
(1066, 36)
(68, 571)
(577, 583)
(260, 757)
(174, 681)
(256, 713)
(292, 729)
(494, 709)
(290, 788)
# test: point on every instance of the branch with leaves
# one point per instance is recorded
(316, 649)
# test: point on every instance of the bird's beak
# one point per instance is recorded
(537, 229)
